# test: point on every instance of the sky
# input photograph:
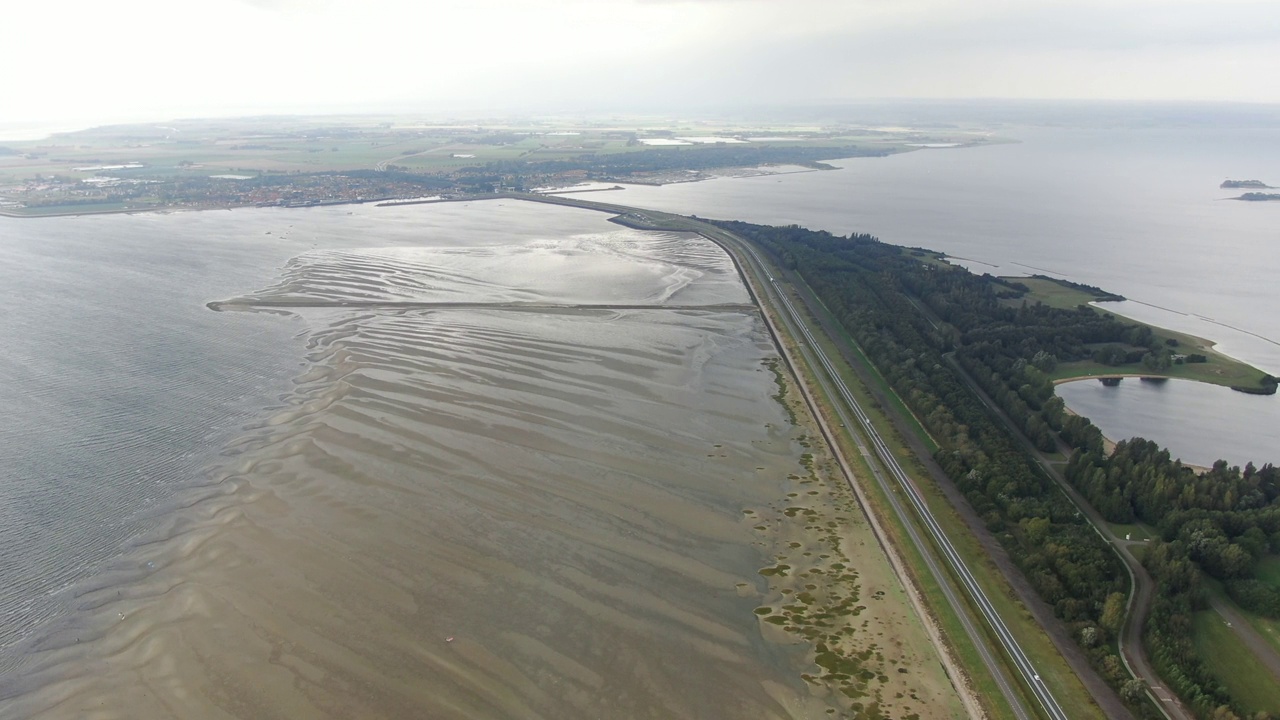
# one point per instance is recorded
(88, 61)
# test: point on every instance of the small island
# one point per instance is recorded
(1245, 184)
(1258, 197)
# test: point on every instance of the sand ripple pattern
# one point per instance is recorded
(621, 267)
(469, 514)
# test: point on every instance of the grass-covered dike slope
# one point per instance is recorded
(912, 314)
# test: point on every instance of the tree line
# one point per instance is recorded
(870, 287)
(1218, 523)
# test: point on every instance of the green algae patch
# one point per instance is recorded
(832, 594)
(775, 570)
(780, 380)
(816, 598)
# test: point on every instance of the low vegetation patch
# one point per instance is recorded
(1231, 663)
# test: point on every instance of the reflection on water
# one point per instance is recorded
(475, 512)
(1135, 212)
(1197, 422)
(619, 267)
(472, 513)
(119, 386)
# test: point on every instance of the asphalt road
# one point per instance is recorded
(880, 459)
(1131, 648)
(881, 455)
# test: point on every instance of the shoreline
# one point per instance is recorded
(1203, 344)
(1109, 445)
(560, 198)
(1123, 375)
(166, 209)
(1245, 379)
(730, 171)
(947, 655)
(318, 572)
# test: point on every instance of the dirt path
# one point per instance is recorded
(1135, 654)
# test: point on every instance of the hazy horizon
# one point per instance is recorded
(146, 60)
(923, 113)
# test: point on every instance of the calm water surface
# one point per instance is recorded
(1180, 413)
(1136, 212)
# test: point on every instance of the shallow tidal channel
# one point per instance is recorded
(505, 506)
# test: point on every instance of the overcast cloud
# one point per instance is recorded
(91, 61)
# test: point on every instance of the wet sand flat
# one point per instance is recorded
(476, 513)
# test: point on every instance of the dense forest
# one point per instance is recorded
(912, 316)
(1218, 523)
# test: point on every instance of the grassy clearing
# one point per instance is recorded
(1139, 552)
(1267, 627)
(1049, 292)
(1233, 664)
(1135, 531)
(1219, 370)
(1268, 570)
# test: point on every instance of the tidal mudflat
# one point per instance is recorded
(545, 477)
